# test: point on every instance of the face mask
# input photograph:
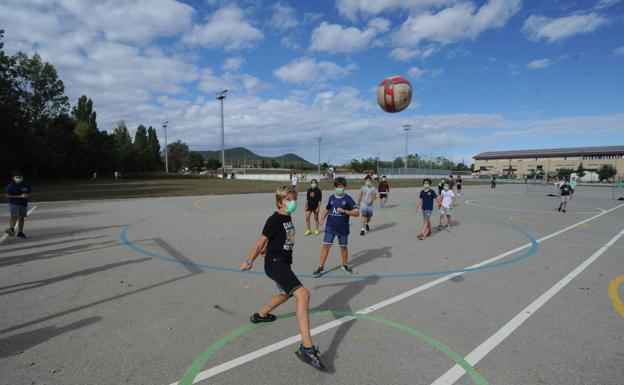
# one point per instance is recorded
(446, 188)
(426, 186)
(18, 180)
(313, 185)
(290, 207)
(368, 183)
(339, 191)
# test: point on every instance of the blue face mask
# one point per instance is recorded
(290, 207)
(339, 191)
(18, 180)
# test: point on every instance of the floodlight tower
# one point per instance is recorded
(406, 128)
(221, 96)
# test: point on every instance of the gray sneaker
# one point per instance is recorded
(318, 272)
(347, 268)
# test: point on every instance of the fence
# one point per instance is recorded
(414, 171)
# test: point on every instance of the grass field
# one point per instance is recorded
(160, 186)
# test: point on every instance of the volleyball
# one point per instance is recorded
(394, 94)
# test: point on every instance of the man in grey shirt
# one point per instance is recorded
(368, 194)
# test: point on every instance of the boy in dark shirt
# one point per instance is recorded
(564, 192)
(18, 193)
(277, 242)
(384, 190)
(314, 198)
(340, 207)
(427, 197)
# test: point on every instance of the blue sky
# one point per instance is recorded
(487, 75)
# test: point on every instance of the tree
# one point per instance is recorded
(194, 161)
(83, 112)
(213, 164)
(123, 144)
(565, 173)
(140, 149)
(153, 148)
(274, 163)
(580, 171)
(177, 151)
(606, 172)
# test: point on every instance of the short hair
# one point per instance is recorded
(368, 177)
(427, 180)
(340, 181)
(284, 192)
(383, 176)
(16, 173)
(314, 180)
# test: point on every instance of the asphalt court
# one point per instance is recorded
(134, 291)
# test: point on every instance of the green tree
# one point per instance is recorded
(274, 163)
(123, 144)
(194, 161)
(606, 172)
(83, 112)
(565, 173)
(213, 164)
(153, 148)
(140, 149)
(177, 151)
(580, 171)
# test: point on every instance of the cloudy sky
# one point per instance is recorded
(487, 75)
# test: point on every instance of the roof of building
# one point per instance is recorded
(552, 152)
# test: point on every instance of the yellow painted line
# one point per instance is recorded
(515, 219)
(613, 294)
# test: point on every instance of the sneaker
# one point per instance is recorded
(9, 231)
(318, 272)
(311, 357)
(421, 236)
(347, 268)
(316, 232)
(440, 227)
(367, 227)
(22, 235)
(563, 211)
(257, 318)
(362, 232)
(307, 232)
(382, 206)
(559, 209)
(430, 233)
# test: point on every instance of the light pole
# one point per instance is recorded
(164, 125)
(406, 128)
(319, 156)
(221, 96)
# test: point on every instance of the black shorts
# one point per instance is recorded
(383, 195)
(458, 187)
(283, 276)
(312, 206)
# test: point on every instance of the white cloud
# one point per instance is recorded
(289, 42)
(241, 84)
(233, 64)
(408, 54)
(225, 28)
(335, 38)
(309, 71)
(457, 22)
(540, 27)
(351, 9)
(540, 63)
(619, 51)
(415, 72)
(602, 4)
(284, 17)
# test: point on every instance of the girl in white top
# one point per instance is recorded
(446, 207)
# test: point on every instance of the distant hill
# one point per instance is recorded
(242, 155)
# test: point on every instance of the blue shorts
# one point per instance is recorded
(427, 214)
(366, 210)
(343, 239)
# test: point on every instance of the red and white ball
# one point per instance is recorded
(394, 94)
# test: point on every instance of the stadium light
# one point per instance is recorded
(221, 96)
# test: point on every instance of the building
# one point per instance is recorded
(550, 161)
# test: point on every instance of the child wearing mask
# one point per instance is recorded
(314, 198)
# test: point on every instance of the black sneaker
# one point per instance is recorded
(559, 209)
(362, 232)
(347, 268)
(311, 357)
(440, 227)
(318, 272)
(257, 318)
(563, 211)
(9, 231)
(367, 227)
(21, 235)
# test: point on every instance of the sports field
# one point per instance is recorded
(148, 291)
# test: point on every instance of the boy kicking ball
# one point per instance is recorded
(340, 207)
(427, 197)
(277, 242)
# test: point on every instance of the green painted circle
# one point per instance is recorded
(198, 364)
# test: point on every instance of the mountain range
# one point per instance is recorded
(245, 156)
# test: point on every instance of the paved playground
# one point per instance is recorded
(148, 291)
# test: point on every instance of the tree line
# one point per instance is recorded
(46, 138)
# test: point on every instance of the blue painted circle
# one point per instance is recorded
(123, 236)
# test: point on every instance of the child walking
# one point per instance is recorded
(278, 241)
(427, 197)
(365, 201)
(446, 208)
(384, 190)
(18, 193)
(314, 197)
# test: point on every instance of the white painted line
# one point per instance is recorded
(5, 235)
(294, 339)
(456, 372)
(471, 202)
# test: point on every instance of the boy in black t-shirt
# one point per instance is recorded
(313, 199)
(277, 243)
(564, 192)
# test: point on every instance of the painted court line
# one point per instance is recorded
(456, 372)
(327, 326)
(5, 235)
